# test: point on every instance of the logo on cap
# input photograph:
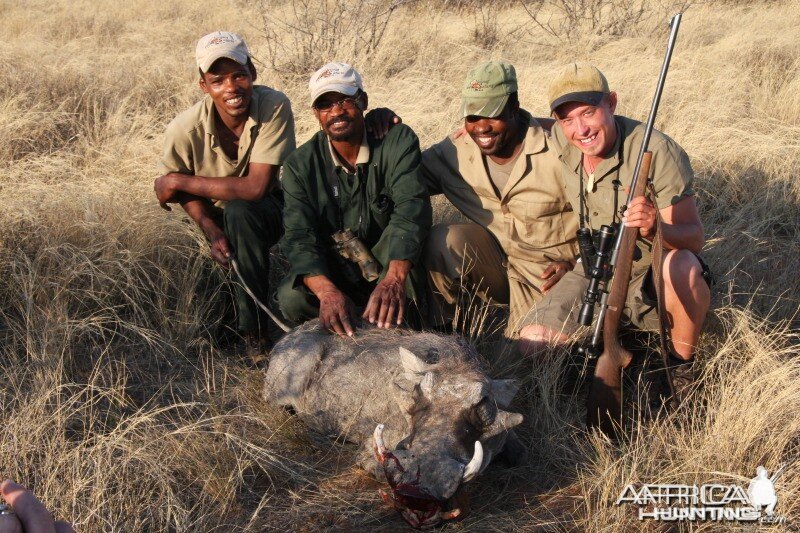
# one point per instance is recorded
(219, 40)
(477, 85)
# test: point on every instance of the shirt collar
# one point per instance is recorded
(363, 153)
(252, 118)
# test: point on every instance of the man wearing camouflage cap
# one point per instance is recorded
(505, 177)
(344, 178)
(598, 152)
(221, 162)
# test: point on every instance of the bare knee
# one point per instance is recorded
(683, 272)
(535, 339)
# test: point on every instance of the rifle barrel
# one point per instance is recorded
(651, 119)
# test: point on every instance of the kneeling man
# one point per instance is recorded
(505, 177)
(345, 179)
(598, 151)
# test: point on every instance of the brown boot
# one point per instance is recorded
(683, 380)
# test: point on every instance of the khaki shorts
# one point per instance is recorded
(558, 310)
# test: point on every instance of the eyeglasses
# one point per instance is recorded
(348, 104)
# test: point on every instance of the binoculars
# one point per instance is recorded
(351, 248)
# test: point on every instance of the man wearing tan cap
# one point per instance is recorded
(598, 152)
(221, 162)
(346, 179)
(505, 177)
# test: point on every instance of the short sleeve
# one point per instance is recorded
(177, 155)
(673, 177)
(275, 139)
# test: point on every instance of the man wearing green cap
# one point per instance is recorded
(598, 152)
(220, 162)
(505, 177)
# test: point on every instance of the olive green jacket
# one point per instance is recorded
(384, 203)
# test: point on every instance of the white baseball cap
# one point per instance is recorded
(220, 44)
(335, 78)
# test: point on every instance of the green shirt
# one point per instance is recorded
(670, 171)
(384, 202)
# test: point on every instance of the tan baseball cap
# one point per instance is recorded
(335, 78)
(486, 89)
(220, 44)
(577, 82)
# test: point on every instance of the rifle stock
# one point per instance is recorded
(604, 406)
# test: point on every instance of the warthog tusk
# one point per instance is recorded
(380, 447)
(449, 515)
(472, 468)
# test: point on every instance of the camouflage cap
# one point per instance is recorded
(220, 44)
(577, 82)
(486, 89)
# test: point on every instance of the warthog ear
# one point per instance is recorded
(414, 366)
(502, 422)
(504, 391)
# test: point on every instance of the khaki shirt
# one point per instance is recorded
(192, 145)
(531, 219)
(670, 170)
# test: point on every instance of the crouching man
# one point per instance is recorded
(221, 162)
(505, 177)
(598, 152)
(346, 183)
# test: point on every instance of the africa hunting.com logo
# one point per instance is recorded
(714, 502)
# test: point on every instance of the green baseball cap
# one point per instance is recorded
(486, 89)
(577, 82)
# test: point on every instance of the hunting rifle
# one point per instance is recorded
(604, 405)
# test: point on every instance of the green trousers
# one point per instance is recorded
(252, 228)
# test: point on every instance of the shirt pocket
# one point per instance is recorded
(542, 225)
(382, 207)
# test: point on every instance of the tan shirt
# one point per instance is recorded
(531, 219)
(670, 170)
(192, 144)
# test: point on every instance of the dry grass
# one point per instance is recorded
(125, 411)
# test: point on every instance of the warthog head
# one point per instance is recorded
(457, 425)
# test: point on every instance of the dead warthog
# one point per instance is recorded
(419, 402)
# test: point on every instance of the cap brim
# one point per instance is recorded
(586, 97)
(483, 107)
(342, 88)
(209, 61)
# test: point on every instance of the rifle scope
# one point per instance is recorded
(597, 274)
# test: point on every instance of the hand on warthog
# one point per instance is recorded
(336, 311)
(388, 299)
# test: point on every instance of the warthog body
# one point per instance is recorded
(442, 415)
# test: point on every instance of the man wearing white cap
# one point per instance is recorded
(346, 179)
(221, 162)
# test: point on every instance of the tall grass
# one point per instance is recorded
(124, 405)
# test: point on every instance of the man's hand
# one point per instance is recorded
(220, 248)
(641, 213)
(164, 186)
(336, 311)
(31, 516)
(554, 272)
(380, 120)
(389, 296)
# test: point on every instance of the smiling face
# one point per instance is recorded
(230, 86)
(341, 116)
(590, 128)
(498, 136)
